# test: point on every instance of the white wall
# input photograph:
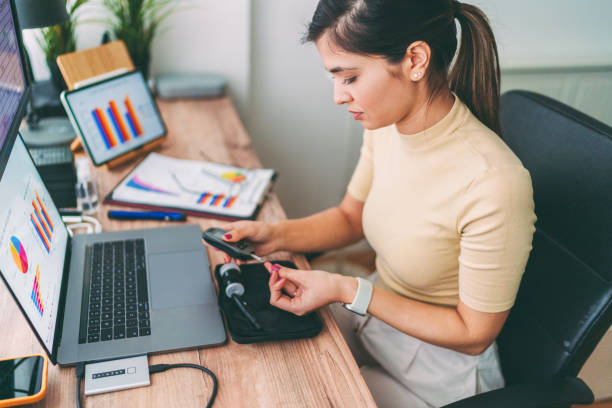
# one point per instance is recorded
(559, 48)
(285, 100)
(211, 36)
(296, 129)
(202, 36)
(551, 33)
(295, 125)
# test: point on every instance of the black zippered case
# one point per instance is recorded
(276, 323)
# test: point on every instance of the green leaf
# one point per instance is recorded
(61, 39)
(136, 22)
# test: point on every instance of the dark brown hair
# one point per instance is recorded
(387, 27)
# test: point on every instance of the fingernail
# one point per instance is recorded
(228, 236)
(281, 280)
(276, 267)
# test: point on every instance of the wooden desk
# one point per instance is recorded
(318, 372)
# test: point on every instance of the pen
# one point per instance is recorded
(146, 215)
(246, 312)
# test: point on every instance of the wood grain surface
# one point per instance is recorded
(318, 372)
(80, 65)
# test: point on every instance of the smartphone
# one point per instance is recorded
(239, 250)
(23, 380)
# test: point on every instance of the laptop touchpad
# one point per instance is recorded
(179, 279)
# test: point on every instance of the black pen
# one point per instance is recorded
(246, 312)
(146, 215)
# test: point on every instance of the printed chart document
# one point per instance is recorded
(195, 187)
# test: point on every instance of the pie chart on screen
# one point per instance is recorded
(19, 255)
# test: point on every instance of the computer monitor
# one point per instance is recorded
(14, 89)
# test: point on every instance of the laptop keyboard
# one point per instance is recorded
(115, 296)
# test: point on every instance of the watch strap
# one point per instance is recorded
(362, 297)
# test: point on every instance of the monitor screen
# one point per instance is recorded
(114, 116)
(12, 77)
(33, 242)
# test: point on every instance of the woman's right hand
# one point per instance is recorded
(262, 236)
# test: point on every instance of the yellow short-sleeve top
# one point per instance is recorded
(449, 212)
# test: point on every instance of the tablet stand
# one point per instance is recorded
(86, 66)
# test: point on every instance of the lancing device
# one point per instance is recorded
(239, 250)
(234, 289)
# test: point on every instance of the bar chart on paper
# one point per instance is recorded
(203, 187)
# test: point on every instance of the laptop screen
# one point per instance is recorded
(114, 116)
(33, 242)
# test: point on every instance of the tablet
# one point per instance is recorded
(114, 116)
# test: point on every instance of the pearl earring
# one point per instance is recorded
(418, 74)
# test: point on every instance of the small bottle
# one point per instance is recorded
(86, 190)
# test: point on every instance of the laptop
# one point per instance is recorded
(114, 116)
(101, 296)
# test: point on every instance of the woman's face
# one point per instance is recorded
(376, 92)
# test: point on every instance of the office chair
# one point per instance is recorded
(564, 303)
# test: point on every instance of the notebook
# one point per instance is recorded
(195, 187)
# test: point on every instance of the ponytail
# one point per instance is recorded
(475, 76)
(388, 27)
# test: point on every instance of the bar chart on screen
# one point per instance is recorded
(115, 116)
(41, 221)
(117, 124)
(36, 296)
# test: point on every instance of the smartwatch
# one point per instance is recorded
(362, 298)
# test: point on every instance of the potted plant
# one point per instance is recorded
(136, 23)
(58, 40)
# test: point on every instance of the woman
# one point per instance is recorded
(443, 201)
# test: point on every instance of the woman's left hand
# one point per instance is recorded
(307, 290)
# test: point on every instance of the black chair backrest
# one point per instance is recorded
(563, 307)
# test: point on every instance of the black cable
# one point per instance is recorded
(158, 368)
(80, 373)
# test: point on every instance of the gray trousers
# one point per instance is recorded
(402, 371)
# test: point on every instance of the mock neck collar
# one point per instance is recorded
(442, 129)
